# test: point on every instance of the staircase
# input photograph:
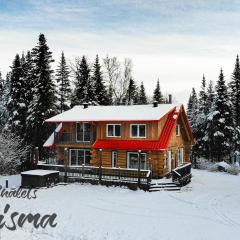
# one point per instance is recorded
(164, 186)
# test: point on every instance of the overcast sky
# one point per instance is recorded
(173, 40)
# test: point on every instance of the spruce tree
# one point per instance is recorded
(43, 104)
(235, 101)
(84, 87)
(132, 96)
(222, 124)
(208, 136)
(1, 99)
(62, 78)
(200, 121)
(157, 94)
(142, 95)
(16, 106)
(192, 107)
(101, 96)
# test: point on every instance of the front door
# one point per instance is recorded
(169, 161)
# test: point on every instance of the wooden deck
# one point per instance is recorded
(131, 178)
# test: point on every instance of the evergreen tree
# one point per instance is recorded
(210, 96)
(132, 96)
(208, 137)
(235, 101)
(44, 94)
(62, 78)
(1, 99)
(100, 89)
(84, 88)
(157, 94)
(16, 104)
(222, 124)
(203, 97)
(192, 107)
(200, 121)
(4, 100)
(142, 95)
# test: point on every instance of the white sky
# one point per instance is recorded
(174, 42)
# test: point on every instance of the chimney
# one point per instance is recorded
(170, 98)
(155, 104)
(85, 105)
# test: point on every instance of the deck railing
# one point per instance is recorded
(182, 174)
(102, 174)
(66, 137)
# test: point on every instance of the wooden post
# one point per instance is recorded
(139, 167)
(65, 164)
(119, 173)
(83, 170)
(6, 183)
(100, 165)
(36, 156)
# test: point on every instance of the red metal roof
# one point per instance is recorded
(148, 145)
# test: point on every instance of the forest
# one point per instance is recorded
(33, 91)
(214, 115)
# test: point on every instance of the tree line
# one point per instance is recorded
(32, 91)
(214, 115)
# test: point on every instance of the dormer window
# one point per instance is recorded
(138, 130)
(178, 128)
(113, 130)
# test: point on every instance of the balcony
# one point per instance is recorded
(70, 138)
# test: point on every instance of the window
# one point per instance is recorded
(178, 130)
(114, 159)
(83, 132)
(138, 130)
(113, 130)
(132, 161)
(79, 157)
(180, 156)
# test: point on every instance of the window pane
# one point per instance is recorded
(87, 130)
(142, 130)
(87, 157)
(73, 157)
(133, 160)
(114, 159)
(80, 157)
(117, 130)
(110, 130)
(134, 130)
(79, 129)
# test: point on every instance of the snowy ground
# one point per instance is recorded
(208, 208)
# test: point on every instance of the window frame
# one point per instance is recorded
(178, 130)
(83, 123)
(138, 124)
(84, 158)
(142, 153)
(112, 159)
(114, 124)
(180, 153)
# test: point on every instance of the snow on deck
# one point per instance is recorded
(113, 113)
(39, 172)
(207, 208)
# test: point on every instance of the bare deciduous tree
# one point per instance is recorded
(118, 77)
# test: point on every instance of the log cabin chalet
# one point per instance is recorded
(155, 136)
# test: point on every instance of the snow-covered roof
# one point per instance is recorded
(38, 172)
(113, 113)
